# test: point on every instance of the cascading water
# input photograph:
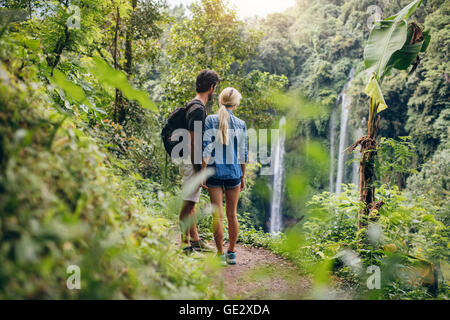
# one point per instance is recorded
(332, 146)
(278, 180)
(345, 110)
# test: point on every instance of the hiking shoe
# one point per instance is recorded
(231, 257)
(201, 245)
(188, 250)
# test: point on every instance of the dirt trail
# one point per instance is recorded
(260, 274)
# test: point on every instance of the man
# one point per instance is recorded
(207, 80)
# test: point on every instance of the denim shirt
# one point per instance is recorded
(226, 159)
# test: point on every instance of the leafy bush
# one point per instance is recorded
(63, 204)
(395, 161)
(433, 182)
(405, 240)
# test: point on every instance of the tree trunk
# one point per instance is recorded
(59, 48)
(116, 65)
(122, 112)
(368, 145)
(129, 42)
(366, 187)
(367, 170)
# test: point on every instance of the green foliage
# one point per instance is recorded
(387, 38)
(214, 38)
(405, 235)
(210, 39)
(107, 76)
(64, 201)
(428, 105)
(70, 88)
(389, 46)
(78, 188)
(433, 182)
(258, 106)
(396, 160)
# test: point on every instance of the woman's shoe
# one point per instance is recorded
(231, 257)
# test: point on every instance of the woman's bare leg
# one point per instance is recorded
(216, 196)
(231, 199)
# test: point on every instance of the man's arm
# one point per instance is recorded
(192, 151)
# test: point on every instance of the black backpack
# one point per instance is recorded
(177, 120)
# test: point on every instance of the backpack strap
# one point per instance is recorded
(189, 108)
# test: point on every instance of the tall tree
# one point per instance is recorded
(139, 23)
(392, 44)
(214, 38)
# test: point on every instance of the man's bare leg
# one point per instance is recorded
(187, 223)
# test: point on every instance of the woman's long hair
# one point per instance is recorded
(229, 98)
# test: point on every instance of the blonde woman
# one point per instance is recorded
(225, 150)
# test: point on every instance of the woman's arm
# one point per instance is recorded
(207, 139)
(243, 167)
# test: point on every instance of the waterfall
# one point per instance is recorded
(332, 146)
(345, 111)
(278, 177)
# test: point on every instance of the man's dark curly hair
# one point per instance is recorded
(206, 79)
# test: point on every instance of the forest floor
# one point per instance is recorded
(261, 275)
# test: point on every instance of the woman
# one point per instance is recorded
(225, 150)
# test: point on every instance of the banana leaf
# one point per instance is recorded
(373, 90)
(426, 41)
(404, 57)
(387, 37)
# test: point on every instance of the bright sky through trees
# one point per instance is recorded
(250, 8)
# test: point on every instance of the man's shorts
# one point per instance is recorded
(187, 172)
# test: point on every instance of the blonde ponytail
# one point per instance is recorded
(224, 117)
(229, 98)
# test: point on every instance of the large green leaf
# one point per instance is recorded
(69, 87)
(406, 11)
(373, 90)
(404, 57)
(386, 38)
(108, 76)
(426, 40)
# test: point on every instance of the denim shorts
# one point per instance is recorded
(228, 184)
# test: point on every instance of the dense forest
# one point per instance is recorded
(87, 85)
